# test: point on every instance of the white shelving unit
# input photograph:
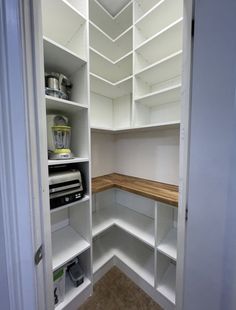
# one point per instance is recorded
(66, 245)
(66, 51)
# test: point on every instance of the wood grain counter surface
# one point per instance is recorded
(162, 192)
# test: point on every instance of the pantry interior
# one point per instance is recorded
(125, 112)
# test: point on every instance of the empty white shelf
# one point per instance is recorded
(61, 105)
(105, 88)
(64, 24)
(167, 284)
(159, 17)
(134, 223)
(113, 72)
(71, 292)
(103, 251)
(78, 202)
(60, 59)
(162, 70)
(143, 7)
(52, 162)
(168, 41)
(113, 49)
(66, 244)
(168, 245)
(166, 95)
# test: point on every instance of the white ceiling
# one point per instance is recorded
(113, 6)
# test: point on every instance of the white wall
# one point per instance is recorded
(152, 154)
(210, 269)
(102, 153)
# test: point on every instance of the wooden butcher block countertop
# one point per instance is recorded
(162, 192)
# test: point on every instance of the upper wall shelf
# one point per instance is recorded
(113, 49)
(163, 14)
(105, 88)
(113, 72)
(141, 7)
(166, 95)
(169, 41)
(65, 25)
(113, 26)
(60, 59)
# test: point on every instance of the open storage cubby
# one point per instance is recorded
(116, 243)
(113, 49)
(78, 120)
(111, 71)
(71, 292)
(129, 212)
(110, 113)
(159, 17)
(167, 230)
(161, 45)
(64, 24)
(166, 277)
(70, 233)
(141, 7)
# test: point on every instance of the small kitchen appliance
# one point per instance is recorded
(58, 135)
(75, 272)
(57, 85)
(65, 186)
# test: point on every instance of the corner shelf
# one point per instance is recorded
(135, 224)
(108, 89)
(66, 245)
(113, 72)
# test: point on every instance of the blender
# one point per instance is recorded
(58, 135)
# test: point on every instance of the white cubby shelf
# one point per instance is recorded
(168, 41)
(66, 245)
(66, 26)
(168, 245)
(71, 292)
(163, 14)
(115, 243)
(76, 203)
(166, 277)
(134, 223)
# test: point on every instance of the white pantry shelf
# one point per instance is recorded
(60, 59)
(168, 245)
(65, 25)
(63, 106)
(134, 223)
(169, 41)
(66, 245)
(52, 162)
(166, 95)
(168, 283)
(71, 292)
(113, 26)
(158, 18)
(78, 202)
(142, 8)
(108, 89)
(112, 49)
(162, 70)
(113, 72)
